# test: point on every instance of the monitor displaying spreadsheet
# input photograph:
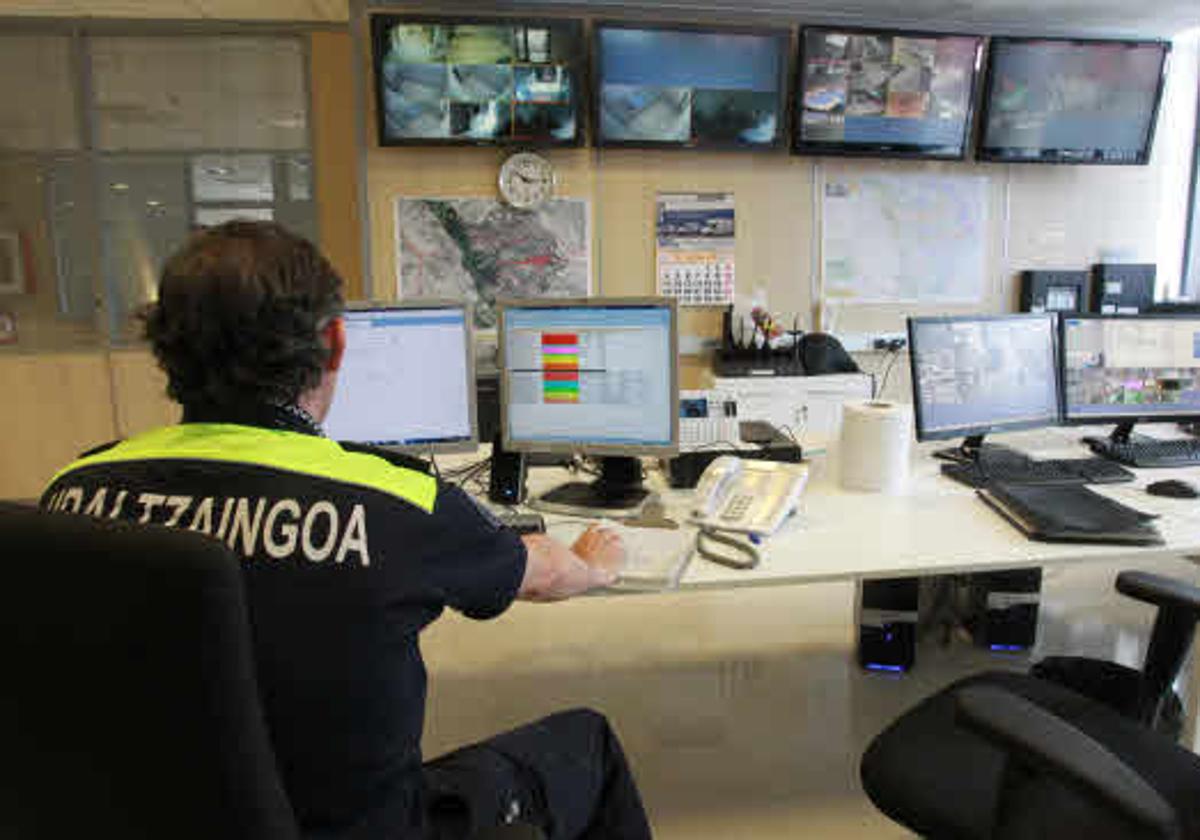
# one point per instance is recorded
(594, 376)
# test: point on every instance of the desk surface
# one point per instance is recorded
(936, 526)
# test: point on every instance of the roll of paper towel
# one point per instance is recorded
(875, 442)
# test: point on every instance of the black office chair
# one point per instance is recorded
(130, 707)
(1005, 756)
(1146, 695)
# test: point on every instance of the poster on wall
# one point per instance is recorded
(695, 247)
(12, 266)
(903, 237)
(480, 250)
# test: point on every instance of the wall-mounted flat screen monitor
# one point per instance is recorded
(496, 81)
(1071, 101)
(689, 88)
(882, 93)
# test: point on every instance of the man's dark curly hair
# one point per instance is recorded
(239, 313)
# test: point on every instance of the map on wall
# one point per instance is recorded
(480, 249)
(901, 238)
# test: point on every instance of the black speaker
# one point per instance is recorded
(887, 624)
(1003, 610)
(507, 485)
(487, 406)
(1122, 288)
(1054, 291)
(821, 353)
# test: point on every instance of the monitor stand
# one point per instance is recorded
(618, 492)
(973, 449)
(1120, 436)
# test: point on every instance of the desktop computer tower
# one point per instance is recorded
(887, 624)
(487, 406)
(1003, 611)
(507, 483)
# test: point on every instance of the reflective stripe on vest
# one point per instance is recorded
(286, 451)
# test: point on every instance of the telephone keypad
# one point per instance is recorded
(737, 507)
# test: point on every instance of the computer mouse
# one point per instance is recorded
(1173, 488)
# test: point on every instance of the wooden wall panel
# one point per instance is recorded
(140, 393)
(56, 405)
(335, 155)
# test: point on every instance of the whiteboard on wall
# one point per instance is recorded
(903, 237)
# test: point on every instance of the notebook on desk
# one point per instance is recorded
(655, 558)
(1070, 513)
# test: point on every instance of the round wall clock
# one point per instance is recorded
(527, 180)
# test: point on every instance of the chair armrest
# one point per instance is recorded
(1161, 591)
(1034, 737)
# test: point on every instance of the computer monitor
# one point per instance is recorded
(974, 375)
(1128, 369)
(595, 377)
(1051, 100)
(407, 379)
(689, 87)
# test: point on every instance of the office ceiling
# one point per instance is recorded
(275, 10)
(1098, 17)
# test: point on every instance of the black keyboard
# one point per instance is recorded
(1048, 472)
(1149, 453)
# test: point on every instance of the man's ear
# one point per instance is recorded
(334, 337)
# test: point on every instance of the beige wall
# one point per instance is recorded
(1039, 216)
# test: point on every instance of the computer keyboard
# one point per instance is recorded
(1047, 472)
(705, 432)
(1148, 453)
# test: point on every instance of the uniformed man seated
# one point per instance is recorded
(347, 558)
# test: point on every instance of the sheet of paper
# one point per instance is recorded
(903, 237)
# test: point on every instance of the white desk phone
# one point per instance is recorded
(745, 497)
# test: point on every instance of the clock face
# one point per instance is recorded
(527, 180)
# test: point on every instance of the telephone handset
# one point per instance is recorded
(751, 497)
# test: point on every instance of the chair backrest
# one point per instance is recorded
(129, 707)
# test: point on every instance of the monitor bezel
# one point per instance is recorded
(381, 19)
(588, 447)
(1109, 419)
(982, 152)
(826, 148)
(783, 35)
(986, 428)
(470, 444)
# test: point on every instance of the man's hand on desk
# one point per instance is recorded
(554, 572)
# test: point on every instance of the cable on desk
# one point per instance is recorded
(895, 354)
(707, 537)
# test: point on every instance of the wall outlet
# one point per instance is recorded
(881, 342)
